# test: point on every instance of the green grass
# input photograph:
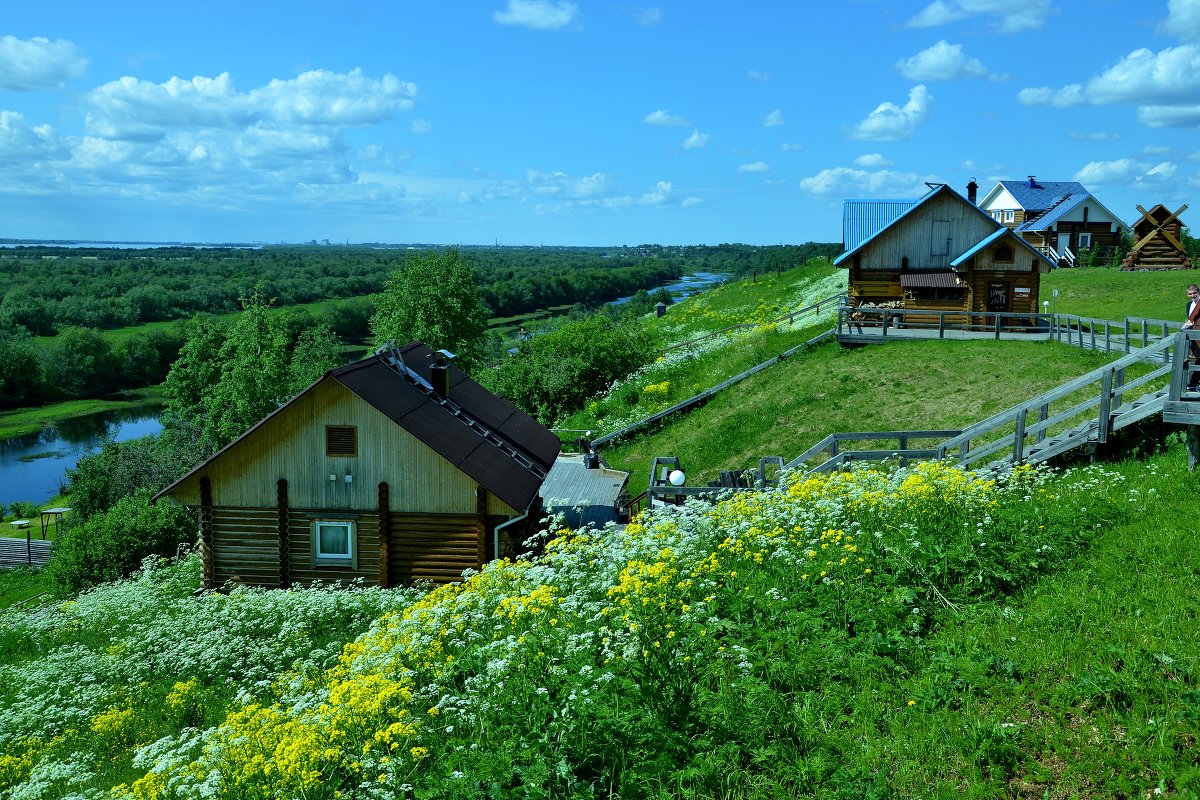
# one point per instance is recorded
(28, 420)
(1107, 293)
(19, 584)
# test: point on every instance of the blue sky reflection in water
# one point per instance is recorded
(33, 467)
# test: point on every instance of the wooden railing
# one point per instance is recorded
(873, 318)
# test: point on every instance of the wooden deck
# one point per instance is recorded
(24, 552)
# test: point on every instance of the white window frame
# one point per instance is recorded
(1010, 215)
(1085, 241)
(323, 559)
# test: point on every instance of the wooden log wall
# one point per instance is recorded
(245, 547)
(300, 549)
(434, 547)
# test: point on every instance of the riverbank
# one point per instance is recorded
(22, 421)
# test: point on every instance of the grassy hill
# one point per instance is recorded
(920, 633)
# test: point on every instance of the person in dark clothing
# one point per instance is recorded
(1193, 319)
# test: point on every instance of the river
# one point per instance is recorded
(34, 467)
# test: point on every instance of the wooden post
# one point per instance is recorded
(1043, 414)
(481, 505)
(1106, 387)
(206, 532)
(281, 508)
(941, 324)
(1019, 437)
(997, 325)
(1193, 446)
(385, 533)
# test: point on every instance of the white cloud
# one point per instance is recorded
(690, 202)
(1155, 150)
(38, 63)
(559, 184)
(1126, 172)
(1183, 20)
(665, 119)
(1165, 84)
(791, 147)
(757, 166)
(941, 62)
(662, 193)
(696, 140)
(1093, 136)
(871, 160)
(420, 126)
(1014, 15)
(755, 75)
(647, 17)
(890, 122)
(541, 15)
(141, 110)
(23, 143)
(773, 120)
(847, 182)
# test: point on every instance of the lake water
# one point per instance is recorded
(34, 467)
(686, 286)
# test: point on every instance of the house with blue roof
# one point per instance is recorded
(938, 252)
(1060, 218)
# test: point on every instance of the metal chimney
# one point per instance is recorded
(439, 373)
(973, 192)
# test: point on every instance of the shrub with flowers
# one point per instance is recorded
(681, 653)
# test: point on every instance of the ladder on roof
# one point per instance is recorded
(396, 361)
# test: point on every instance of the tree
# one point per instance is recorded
(317, 351)
(434, 298)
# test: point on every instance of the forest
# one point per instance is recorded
(58, 301)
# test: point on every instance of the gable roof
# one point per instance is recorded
(1042, 194)
(483, 435)
(861, 219)
(916, 204)
(1002, 233)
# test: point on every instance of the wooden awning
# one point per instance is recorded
(931, 280)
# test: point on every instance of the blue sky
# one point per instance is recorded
(575, 122)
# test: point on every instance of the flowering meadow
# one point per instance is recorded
(725, 649)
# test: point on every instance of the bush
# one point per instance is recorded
(110, 546)
(555, 372)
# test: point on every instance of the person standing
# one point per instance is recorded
(1193, 319)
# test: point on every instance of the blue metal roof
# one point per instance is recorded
(1042, 194)
(1055, 214)
(862, 219)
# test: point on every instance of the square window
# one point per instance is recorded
(333, 542)
(1010, 216)
(1085, 241)
(341, 440)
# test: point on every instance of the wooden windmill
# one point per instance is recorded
(1156, 241)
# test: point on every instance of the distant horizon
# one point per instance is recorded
(311, 243)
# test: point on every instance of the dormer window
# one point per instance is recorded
(1004, 254)
(341, 440)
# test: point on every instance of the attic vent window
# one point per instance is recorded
(341, 440)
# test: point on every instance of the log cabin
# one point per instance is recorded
(1060, 218)
(941, 253)
(394, 469)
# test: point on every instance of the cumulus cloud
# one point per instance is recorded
(661, 194)
(1011, 16)
(871, 160)
(20, 142)
(1166, 84)
(141, 110)
(560, 184)
(757, 166)
(27, 65)
(773, 120)
(847, 182)
(696, 140)
(755, 75)
(1183, 20)
(1126, 172)
(890, 122)
(665, 119)
(941, 62)
(420, 126)
(540, 15)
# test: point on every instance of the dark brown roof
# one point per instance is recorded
(504, 449)
(482, 434)
(931, 280)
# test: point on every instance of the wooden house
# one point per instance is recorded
(393, 469)
(1060, 218)
(940, 252)
(1158, 241)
